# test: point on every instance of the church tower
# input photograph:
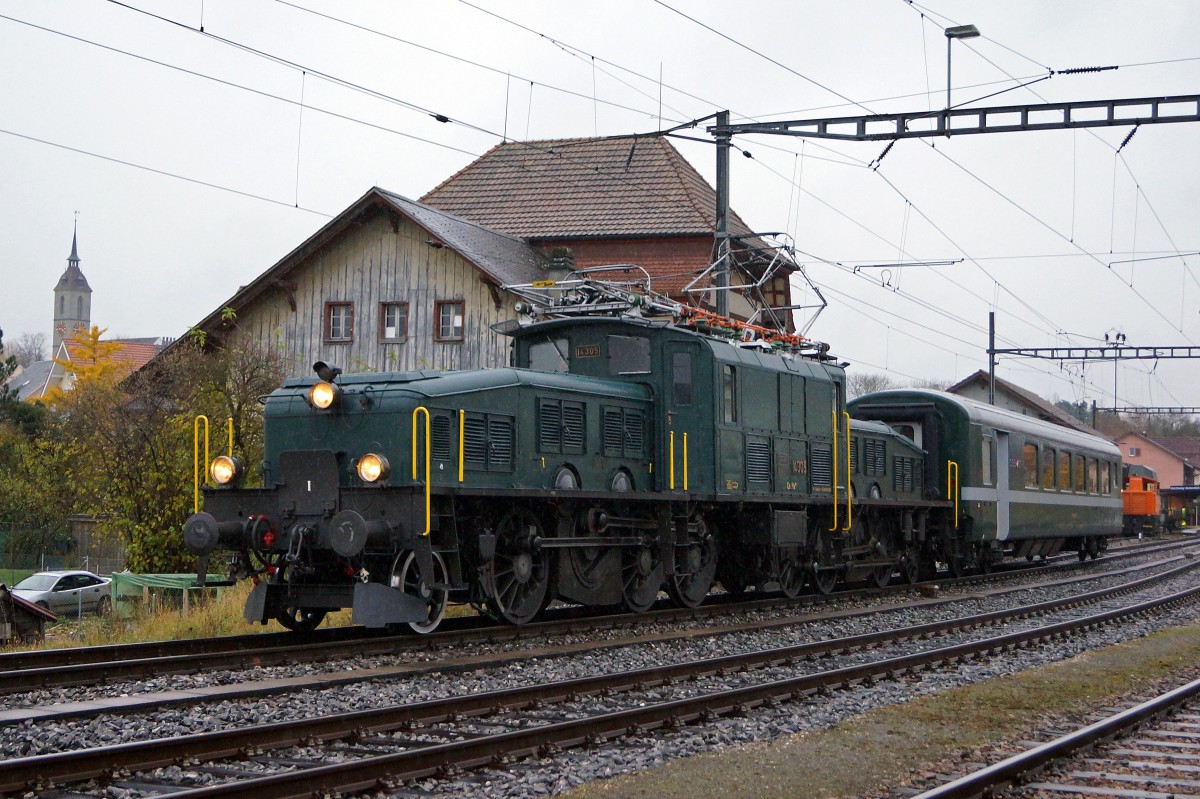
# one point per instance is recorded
(72, 300)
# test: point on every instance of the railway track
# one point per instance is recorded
(22, 672)
(383, 748)
(1148, 751)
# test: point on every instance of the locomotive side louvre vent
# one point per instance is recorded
(624, 432)
(854, 455)
(574, 435)
(822, 467)
(635, 434)
(902, 473)
(758, 461)
(550, 426)
(488, 442)
(500, 441)
(440, 437)
(475, 441)
(874, 457)
(562, 426)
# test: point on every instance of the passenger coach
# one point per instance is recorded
(1025, 487)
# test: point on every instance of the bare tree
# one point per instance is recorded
(28, 348)
(861, 383)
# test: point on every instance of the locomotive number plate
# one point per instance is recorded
(587, 351)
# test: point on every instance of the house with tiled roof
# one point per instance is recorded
(1014, 398)
(390, 284)
(619, 200)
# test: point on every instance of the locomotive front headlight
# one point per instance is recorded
(224, 469)
(323, 395)
(372, 468)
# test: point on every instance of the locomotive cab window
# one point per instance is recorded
(549, 355)
(681, 378)
(628, 355)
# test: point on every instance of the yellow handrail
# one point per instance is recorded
(671, 461)
(952, 480)
(196, 467)
(685, 463)
(462, 447)
(428, 475)
(231, 436)
(849, 498)
(833, 459)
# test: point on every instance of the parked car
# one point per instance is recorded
(66, 592)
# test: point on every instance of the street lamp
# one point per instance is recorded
(956, 32)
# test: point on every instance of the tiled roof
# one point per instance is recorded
(504, 258)
(582, 188)
(31, 382)
(1188, 449)
(131, 355)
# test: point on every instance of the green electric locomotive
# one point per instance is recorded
(616, 458)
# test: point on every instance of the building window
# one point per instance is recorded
(339, 321)
(448, 316)
(393, 321)
(62, 306)
(1135, 452)
(79, 307)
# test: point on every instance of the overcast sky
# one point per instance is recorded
(200, 141)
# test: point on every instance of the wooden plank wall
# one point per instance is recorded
(369, 265)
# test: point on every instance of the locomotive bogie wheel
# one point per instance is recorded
(882, 575)
(406, 577)
(689, 590)
(910, 566)
(641, 578)
(519, 581)
(301, 620)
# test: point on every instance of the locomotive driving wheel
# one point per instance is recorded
(641, 577)
(826, 566)
(792, 576)
(700, 562)
(406, 577)
(910, 565)
(519, 579)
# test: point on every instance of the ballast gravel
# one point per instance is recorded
(537, 777)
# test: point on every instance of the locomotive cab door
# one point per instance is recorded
(685, 451)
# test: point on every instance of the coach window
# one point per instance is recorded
(681, 378)
(1031, 466)
(986, 466)
(1077, 475)
(549, 354)
(1105, 486)
(1064, 471)
(1091, 475)
(1048, 461)
(728, 394)
(628, 355)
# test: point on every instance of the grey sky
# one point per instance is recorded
(195, 165)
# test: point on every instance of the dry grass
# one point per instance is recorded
(880, 751)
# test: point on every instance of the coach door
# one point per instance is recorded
(1003, 471)
(686, 455)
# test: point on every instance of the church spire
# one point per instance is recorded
(72, 298)
(73, 258)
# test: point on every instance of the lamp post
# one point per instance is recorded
(956, 32)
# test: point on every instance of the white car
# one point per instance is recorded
(66, 592)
